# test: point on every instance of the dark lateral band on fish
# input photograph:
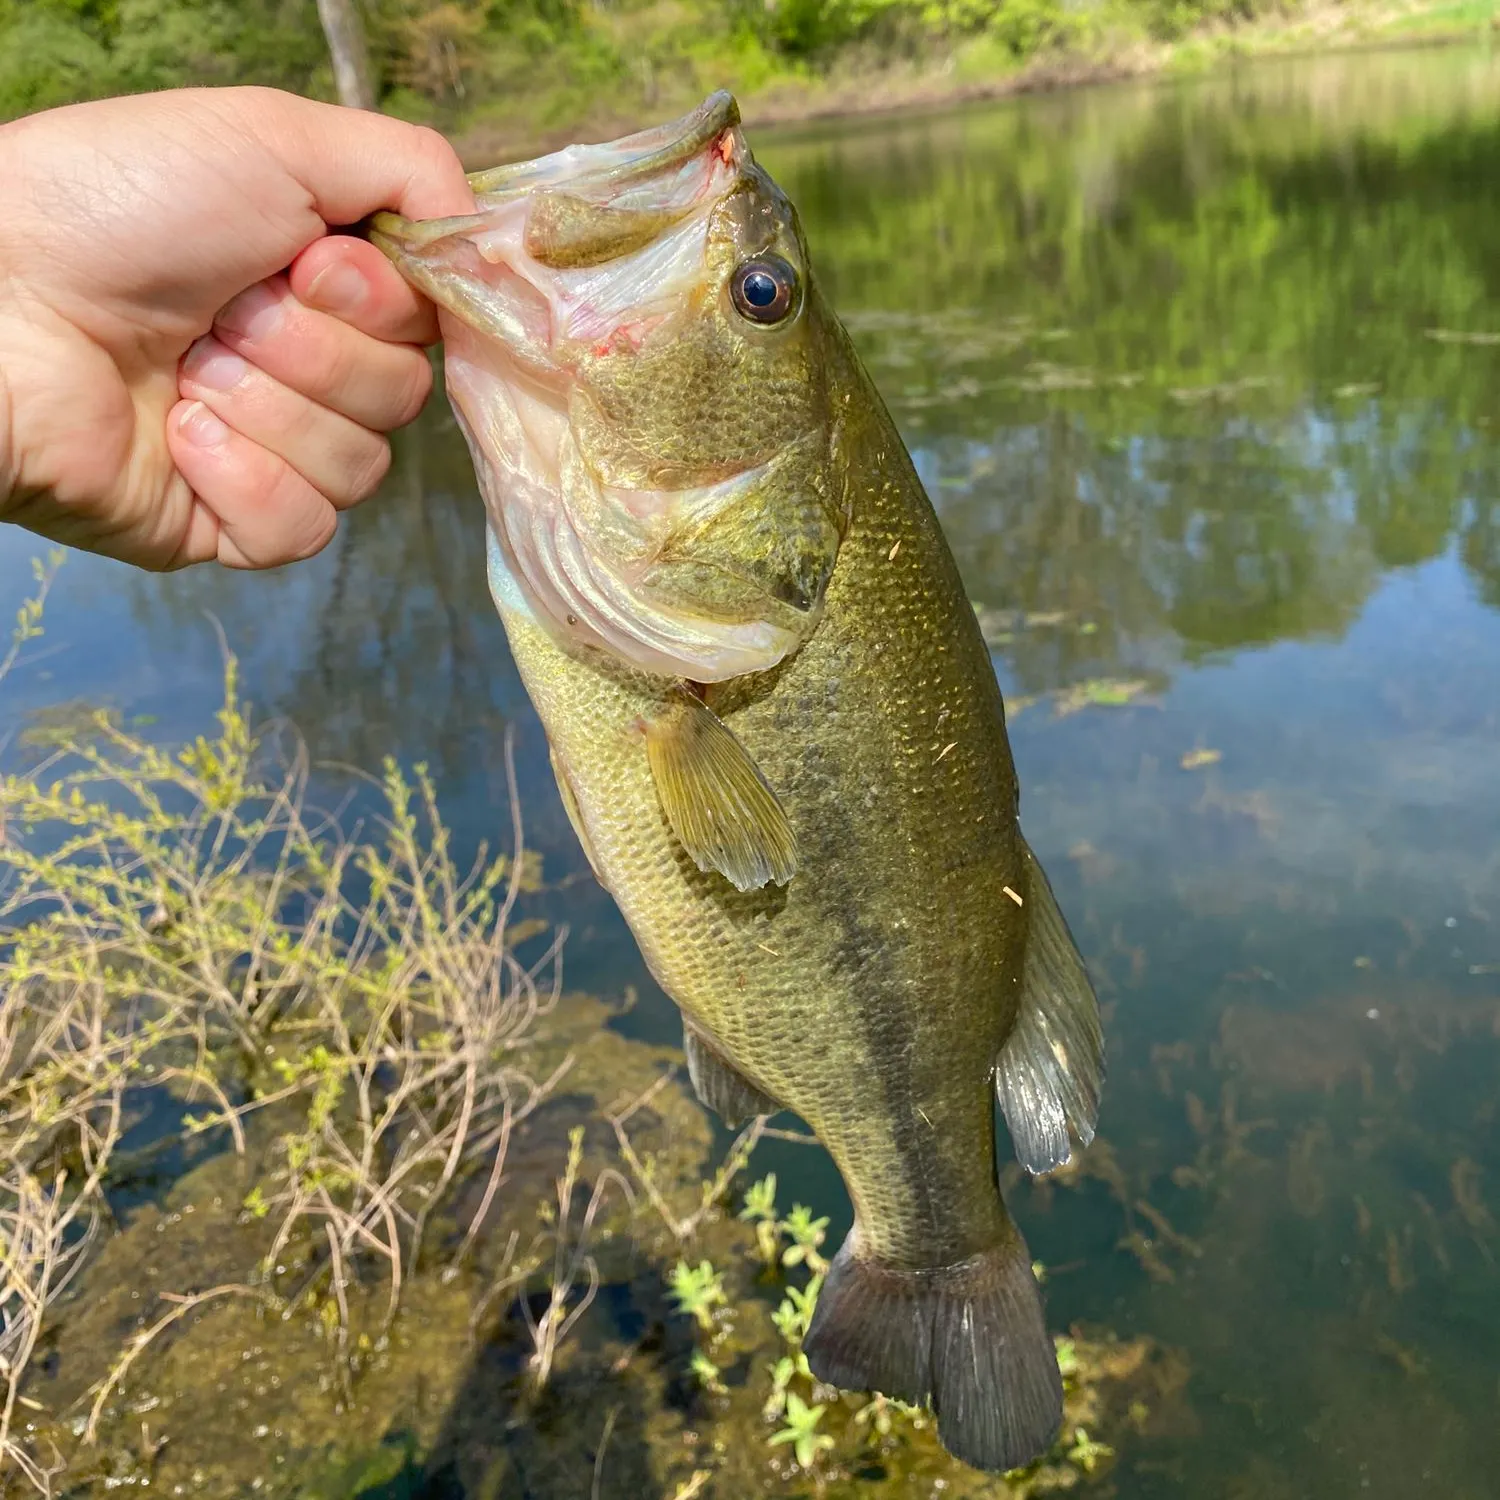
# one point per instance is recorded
(785, 758)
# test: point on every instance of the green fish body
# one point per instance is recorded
(776, 729)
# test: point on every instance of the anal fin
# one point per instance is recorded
(1051, 1069)
(720, 806)
(722, 1087)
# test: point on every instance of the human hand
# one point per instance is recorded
(129, 229)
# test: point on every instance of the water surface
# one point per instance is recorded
(1202, 379)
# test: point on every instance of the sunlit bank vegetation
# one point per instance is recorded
(509, 73)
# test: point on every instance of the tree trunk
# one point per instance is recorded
(351, 55)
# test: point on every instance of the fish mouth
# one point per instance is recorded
(561, 248)
(615, 164)
(608, 172)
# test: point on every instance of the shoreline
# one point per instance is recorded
(1321, 29)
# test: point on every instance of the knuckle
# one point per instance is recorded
(318, 533)
(287, 492)
(370, 470)
(435, 145)
(418, 383)
(332, 371)
(301, 519)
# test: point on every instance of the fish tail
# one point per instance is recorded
(968, 1340)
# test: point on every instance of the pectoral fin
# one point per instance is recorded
(1051, 1068)
(719, 805)
(723, 1088)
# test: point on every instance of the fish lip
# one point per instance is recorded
(613, 164)
(607, 167)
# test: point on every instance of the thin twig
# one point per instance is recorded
(142, 1340)
(604, 1437)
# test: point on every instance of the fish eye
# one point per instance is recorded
(764, 290)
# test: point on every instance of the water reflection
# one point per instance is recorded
(1184, 361)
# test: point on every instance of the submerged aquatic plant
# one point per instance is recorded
(806, 1234)
(760, 1209)
(794, 1317)
(801, 1431)
(697, 1290)
(1086, 1453)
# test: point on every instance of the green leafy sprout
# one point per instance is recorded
(801, 1431)
(760, 1209)
(794, 1317)
(697, 1290)
(1086, 1453)
(806, 1234)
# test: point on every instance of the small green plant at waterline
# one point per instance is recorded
(794, 1317)
(697, 1290)
(707, 1373)
(782, 1373)
(1086, 1453)
(801, 1431)
(760, 1209)
(806, 1234)
(881, 1413)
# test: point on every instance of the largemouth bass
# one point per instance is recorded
(775, 727)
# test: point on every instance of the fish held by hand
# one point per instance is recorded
(776, 728)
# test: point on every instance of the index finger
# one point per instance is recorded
(353, 281)
(354, 161)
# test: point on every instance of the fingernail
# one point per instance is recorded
(339, 288)
(209, 363)
(201, 427)
(255, 313)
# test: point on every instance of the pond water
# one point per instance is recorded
(1203, 379)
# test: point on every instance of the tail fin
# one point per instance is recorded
(966, 1339)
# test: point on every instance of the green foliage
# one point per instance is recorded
(707, 1373)
(760, 1209)
(806, 1234)
(697, 1290)
(1086, 1453)
(794, 1316)
(49, 57)
(58, 51)
(529, 66)
(801, 1431)
(760, 1200)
